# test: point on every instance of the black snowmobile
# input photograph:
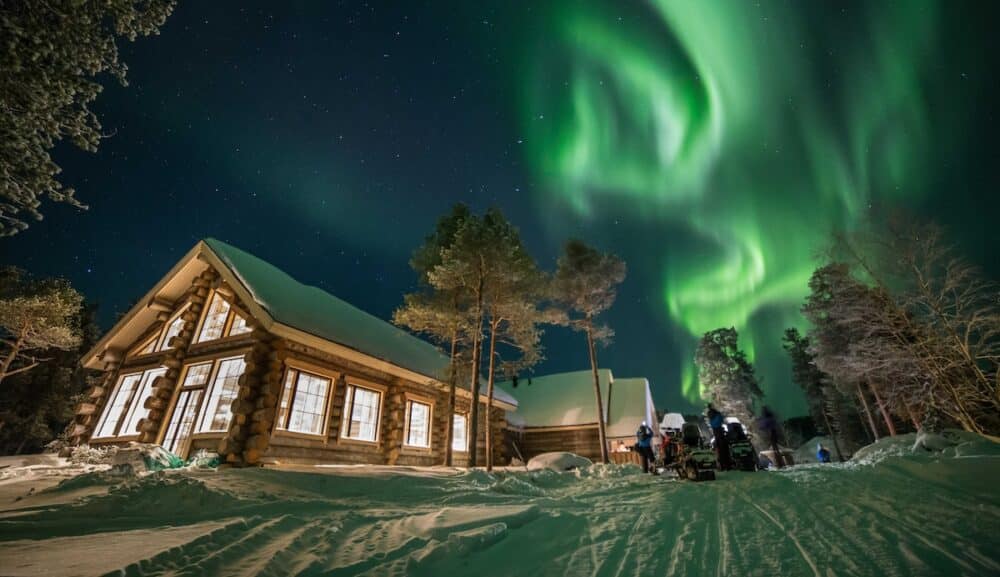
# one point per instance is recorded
(694, 460)
(741, 452)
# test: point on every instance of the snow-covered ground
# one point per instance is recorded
(902, 508)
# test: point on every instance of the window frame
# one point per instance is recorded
(410, 399)
(227, 324)
(116, 435)
(209, 389)
(299, 367)
(464, 416)
(161, 337)
(348, 411)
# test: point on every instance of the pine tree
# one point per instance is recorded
(50, 58)
(585, 285)
(36, 316)
(439, 313)
(814, 383)
(729, 378)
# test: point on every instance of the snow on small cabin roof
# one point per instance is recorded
(567, 399)
(631, 404)
(317, 312)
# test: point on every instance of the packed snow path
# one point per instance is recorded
(901, 516)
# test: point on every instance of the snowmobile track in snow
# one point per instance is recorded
(902, 516)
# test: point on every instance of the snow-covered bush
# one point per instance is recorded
(87, 455)
(558, 462)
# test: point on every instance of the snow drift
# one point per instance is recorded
(916, 505)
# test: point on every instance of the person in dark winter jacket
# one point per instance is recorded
(822, 453)
(767, 423)
(717, 422)
(644, 445)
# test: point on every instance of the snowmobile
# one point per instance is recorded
(741, 452)
(693, 459)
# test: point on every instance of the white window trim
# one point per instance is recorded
(281, 428)
(465, 416)
(347, 411)
(406, 421)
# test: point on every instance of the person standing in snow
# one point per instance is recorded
(768, 425)
(644, 445)
(717, 423)
(822, 453)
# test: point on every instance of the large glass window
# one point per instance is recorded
(173, 329)
(218, 406)
(182, 421)
(459, 432)
(362, 409)
(138, 411)
(418, 416)
(215, 319)
(303, 403)
(117, 403)
(125, 405)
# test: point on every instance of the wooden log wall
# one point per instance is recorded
(582, 440)
(256, 402)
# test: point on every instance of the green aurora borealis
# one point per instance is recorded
(759, 127)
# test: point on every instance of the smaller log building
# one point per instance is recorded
(559, 413)
(229, 354)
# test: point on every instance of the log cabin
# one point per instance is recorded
(229, 354)
(559, 413)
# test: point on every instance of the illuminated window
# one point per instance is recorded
(362, 407)
(239, 325)
(116, 405)
(138, 412)
(418, 416)
(181, 423)
(303, 403)
(218, 406)
(125, 406)
(215, 319)
(173, 329)
(459, 432)
(149, 347)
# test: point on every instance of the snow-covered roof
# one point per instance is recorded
(567, 399)
(631, 404)
(319, 313)
(558, 400)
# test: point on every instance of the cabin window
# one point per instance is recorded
(303, 403)
(218, 405)
(362, 406)
(418, 416)
(221, 320)
(173, 329)
(182, 420)
(138, 411)
(215, 319)
(125, 407)
(459, 432)
(239, 325)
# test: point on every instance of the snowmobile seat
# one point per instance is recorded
(691, 434)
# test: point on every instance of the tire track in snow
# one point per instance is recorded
(792, 537)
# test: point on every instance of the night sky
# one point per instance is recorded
(713, 145)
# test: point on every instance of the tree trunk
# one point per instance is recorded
(477, 334)
(489, 397)
(885, 414)
(452, 381)
(601, 433)
(833, 436)
(868, 413)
